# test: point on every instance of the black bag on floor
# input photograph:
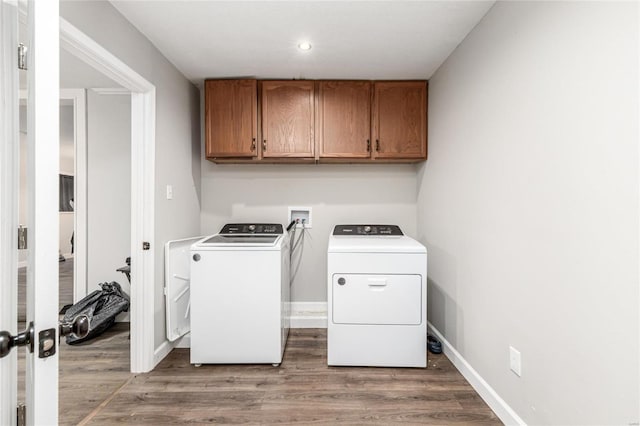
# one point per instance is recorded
(102, 307)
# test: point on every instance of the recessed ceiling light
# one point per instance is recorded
(305, 45)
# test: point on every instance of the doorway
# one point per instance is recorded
(143, 250)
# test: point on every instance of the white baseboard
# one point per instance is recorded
(308, 314)
(486, 392)
(183, 342)
(161, 352)
(303, 315)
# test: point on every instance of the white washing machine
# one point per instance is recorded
(240, 302)
(377, 297)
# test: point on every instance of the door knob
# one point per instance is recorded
(8, 342)
(79, 327)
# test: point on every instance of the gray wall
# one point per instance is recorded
(336, 194)
(528, 205)
(108, 188)
(177, 129)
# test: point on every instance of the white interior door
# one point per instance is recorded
(41, 377)
(42, 170)
(9, 181)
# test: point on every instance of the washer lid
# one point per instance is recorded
(240, 240)
(177, 264)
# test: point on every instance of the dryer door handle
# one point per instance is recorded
(377, 282)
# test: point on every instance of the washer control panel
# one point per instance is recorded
(368, 230)
(252, 228)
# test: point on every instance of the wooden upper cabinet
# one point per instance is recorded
(344, 119)
(231, 110)
(400, 120)
(287, 119)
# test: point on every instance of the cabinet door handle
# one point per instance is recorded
(368, 145)
(377, 145)
(264, 145)
(253, 144)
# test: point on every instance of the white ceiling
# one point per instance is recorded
(350, 39)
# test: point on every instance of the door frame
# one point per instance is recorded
(78, 100)
(143, 117)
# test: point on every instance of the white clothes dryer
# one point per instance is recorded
(377, 297)
(240, 300)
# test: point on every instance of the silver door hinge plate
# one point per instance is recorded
(22, 56)
(22, 238)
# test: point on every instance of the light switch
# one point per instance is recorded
(169, 192)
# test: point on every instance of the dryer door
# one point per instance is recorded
(377, 299)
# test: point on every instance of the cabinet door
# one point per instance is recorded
(287, 119)
(345, 119)
(400, 119)
(231, 118)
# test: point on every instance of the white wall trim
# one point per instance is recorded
(183, 342)
(486, 392)
(78, 98)
(83, 47)
(162, 351)
(143, 108)
(143, 112)
(308, 314)
(111, 91)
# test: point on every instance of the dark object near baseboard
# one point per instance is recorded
(434, 345)
(102, 307)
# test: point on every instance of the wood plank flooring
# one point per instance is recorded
(96, 387)
(302, 390)
(89, 373)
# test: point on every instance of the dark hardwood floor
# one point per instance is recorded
(302, 390)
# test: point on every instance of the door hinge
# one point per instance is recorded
(21, 415)
(22, 238)
(22, 56)
(146, 245)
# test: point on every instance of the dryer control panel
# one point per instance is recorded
(368, 230)
(252, 228)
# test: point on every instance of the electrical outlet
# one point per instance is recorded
(514, 361)
(302, 215)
